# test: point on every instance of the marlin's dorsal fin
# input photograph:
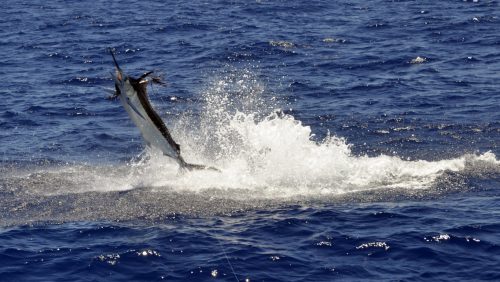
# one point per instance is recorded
(154, 78)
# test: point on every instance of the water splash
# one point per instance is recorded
(267, 154)
(275, 157)
(266, 157)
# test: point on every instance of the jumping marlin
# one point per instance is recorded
(134, 98)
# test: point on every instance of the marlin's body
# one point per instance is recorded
(153, 130)
(133, 96)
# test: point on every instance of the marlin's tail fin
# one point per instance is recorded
(191, 167)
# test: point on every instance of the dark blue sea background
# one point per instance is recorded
(357, 141)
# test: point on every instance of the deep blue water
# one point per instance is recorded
(358, 141)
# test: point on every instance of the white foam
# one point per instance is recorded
(263, 156)
(276, 158)
(273, 155)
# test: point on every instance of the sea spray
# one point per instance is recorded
(267, 158)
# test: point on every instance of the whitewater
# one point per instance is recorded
(267, 159)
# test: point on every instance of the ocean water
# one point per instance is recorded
(357, 141)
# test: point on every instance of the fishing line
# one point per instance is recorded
(227, 258)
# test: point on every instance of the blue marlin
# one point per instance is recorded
(133, 95)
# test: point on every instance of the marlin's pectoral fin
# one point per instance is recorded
(113, 93)
(113, 97)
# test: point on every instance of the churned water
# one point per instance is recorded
(357, 141)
